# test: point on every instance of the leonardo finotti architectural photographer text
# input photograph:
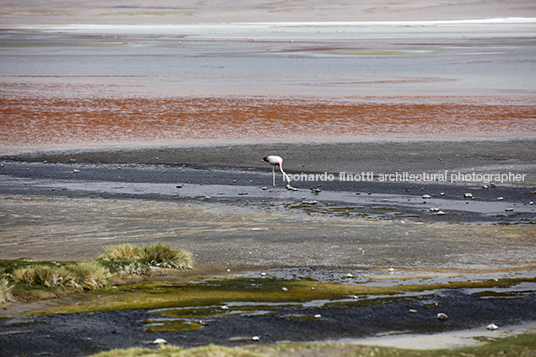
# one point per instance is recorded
(443, 176)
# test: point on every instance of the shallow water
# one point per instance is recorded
(402, 319)
(224, 189)
(118, 85)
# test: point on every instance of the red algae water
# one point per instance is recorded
(33, 120)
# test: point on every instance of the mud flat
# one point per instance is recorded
(217, 202)
(207, 198)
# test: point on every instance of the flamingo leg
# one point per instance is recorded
(273, 173)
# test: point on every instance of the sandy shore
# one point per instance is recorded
(261, 228)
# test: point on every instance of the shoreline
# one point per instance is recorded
(465, 156)
(13, 151)
(195, 12)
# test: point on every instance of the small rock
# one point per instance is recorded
(434, 209)
(263, 274)
(224, 307)
(440, 213)
(76, 171)
(531, 203)
(318, 316)
(468, 195)
(509, 209)
(284, 289)
(442, 316)
(413, 311)
(492, 327)
(158, 341)
(391, 270)
(500, 198)
(255, 338)
(425, 197)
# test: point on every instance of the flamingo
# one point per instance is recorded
(277, 161)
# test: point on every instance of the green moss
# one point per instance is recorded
(192, 313)
(217, 292)
(519, 346)
(172, 326)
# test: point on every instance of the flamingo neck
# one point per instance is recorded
(284, 174)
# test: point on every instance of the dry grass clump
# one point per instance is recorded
(121, 251)
(82, 275)
(93, 274)
(5, 290)
(160, 255)
(89, 275)
(41, 275)
(156, 255)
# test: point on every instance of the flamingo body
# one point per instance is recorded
(277, 161)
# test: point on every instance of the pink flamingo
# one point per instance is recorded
(277, 161)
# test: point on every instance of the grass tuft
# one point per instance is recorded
(123, 251)
(128, 257)
(5, 290)
(41, 275)
(160, 255)
(27, 274)
(88, 275)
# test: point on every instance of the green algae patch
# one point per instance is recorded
(155, 295)
(172, 326)
(191, 313)
(211, 293)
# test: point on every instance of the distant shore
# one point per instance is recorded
(191, 11)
